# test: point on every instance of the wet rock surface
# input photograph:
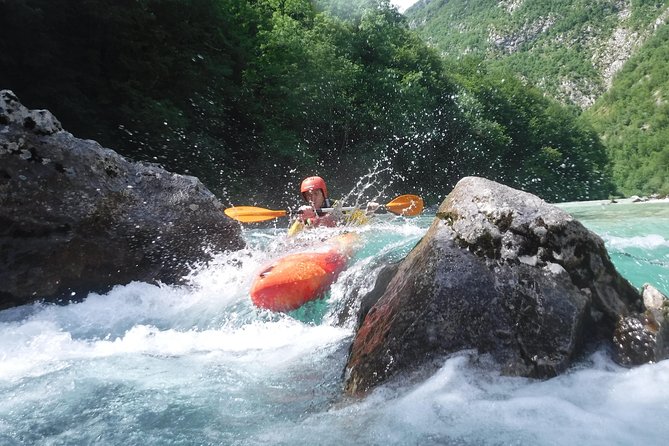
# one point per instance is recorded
(644, 337)
(76, 217)
(500, 271)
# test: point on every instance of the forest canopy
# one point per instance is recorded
(253, 95)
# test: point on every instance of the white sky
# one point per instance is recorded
(402, 5)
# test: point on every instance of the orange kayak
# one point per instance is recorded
(293, 280)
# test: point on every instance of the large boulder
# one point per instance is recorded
(76, 217)
(500, 271)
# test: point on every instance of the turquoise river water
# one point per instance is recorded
(199, 365)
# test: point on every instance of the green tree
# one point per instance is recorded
(246, 93)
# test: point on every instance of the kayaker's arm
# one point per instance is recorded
(315, 217)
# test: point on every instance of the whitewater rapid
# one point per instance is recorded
(197, 364)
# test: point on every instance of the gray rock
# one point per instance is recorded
(644, 337)
(76, 217)
(500, 271)
(12, 112)
(653, 299)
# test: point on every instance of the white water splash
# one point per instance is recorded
(465, 403)
(646, 242)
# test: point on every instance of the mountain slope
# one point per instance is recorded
(607, 57)
(571, 50)
(633, 119)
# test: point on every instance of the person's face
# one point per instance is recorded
(315, 198)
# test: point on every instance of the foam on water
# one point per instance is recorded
(647, 242)
(597, 403)
(212, 313)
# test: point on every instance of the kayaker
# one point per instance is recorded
(315, 192)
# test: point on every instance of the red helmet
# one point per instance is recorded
(313, 183)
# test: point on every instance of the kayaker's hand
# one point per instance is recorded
(305, 212)
(372, 207)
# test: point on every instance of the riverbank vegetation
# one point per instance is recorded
(252, 95)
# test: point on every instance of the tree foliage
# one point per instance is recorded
(252, 95)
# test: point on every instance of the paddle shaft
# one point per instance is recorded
(406, 205)
(322, 211)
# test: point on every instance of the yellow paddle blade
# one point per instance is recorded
(406, 205)
(252, 214)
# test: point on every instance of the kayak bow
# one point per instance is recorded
(293, 280)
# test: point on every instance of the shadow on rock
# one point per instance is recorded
(76, 217)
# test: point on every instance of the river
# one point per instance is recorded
(197, 364)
